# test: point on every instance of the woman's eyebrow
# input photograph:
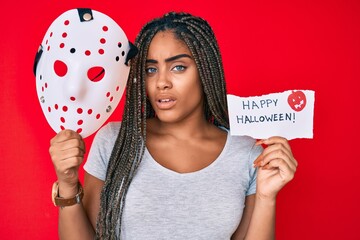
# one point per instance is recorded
(151, 61)
(170, 59)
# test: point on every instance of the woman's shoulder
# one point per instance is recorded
(101, 148)
(244, 142)
(107, 133)
(243, 147)
(110, 128)
(247, 140)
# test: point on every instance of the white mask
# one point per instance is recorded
(81, 70)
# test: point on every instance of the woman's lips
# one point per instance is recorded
(165, 103)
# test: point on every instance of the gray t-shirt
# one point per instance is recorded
(163, 204)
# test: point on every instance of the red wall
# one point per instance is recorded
(267, 47)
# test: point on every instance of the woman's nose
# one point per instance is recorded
(163, 80)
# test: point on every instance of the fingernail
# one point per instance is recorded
(261, 141)
(258, 159)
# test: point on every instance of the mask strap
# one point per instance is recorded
(131, 54)
(37, 58)
(85, 14)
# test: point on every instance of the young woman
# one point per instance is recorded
(170, 169)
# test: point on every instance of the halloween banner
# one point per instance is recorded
(288, 114)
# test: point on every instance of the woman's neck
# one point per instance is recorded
(183, 130)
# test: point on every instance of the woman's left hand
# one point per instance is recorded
(276, 167)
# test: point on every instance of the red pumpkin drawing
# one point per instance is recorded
(297, 100)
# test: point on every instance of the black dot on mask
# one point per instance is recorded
(122, 53)
(119, 45)
(72, 50)
(117, 58)
(40, 77)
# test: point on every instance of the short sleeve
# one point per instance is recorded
(254, 153)
(100, 151)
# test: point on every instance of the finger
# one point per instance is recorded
(277, 143)
(70, 153)
(58, 156)
(278, 153)
(67, 144)
(274, 143)
(272, 153)
(279, 148)
(71, 143)
(65, 135)
(66, 150)
(258, 160)
(285, 171)
(82, 145)
(275, 140)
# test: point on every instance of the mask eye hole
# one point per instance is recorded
(96, 74)
(60, 68)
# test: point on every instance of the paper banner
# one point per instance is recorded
(288, 114)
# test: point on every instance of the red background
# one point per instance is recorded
(267, 47)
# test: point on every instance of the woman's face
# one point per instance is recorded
(172, 80)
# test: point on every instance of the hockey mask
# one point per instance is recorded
(81, 70)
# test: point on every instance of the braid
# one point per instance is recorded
(200, 39)
(130, 144)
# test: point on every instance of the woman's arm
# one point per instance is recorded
(262, 222)
(246, 217)
(263, 216)
(277, 167)
(77, 221)
(91, 201)
(74, 222)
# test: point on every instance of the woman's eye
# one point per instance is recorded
(150, 70)
(179, 68)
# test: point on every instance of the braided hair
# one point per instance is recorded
(130, 144)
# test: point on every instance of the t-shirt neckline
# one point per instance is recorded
(166, 170)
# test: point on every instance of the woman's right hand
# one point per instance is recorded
(67, 151)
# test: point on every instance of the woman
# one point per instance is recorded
(171, 170)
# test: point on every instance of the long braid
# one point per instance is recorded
(131, 141)
(203, 45)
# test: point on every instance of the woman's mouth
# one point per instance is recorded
(165, 103)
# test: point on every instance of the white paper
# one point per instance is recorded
(289, 114)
